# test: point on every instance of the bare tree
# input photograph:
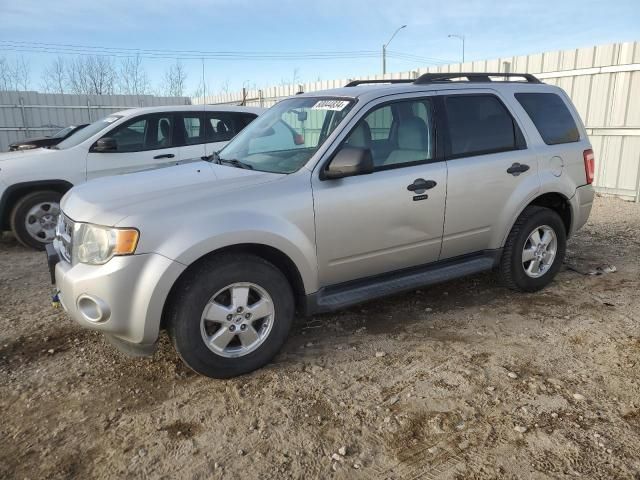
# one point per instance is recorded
(22, 74)
(224, 87)
(132, 78)
(175, 79)
(94, 74)
(14, 76)
(5, 74)
(295, 78)
(54, 77)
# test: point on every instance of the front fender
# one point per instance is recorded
(294, 239)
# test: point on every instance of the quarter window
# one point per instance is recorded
(550, 115)
(480, 124)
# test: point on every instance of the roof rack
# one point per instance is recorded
(355, 83)
(471, 77)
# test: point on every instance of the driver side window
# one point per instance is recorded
(399, 133)
(150, 132)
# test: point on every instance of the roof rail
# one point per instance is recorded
(471, 77)
(354, 83)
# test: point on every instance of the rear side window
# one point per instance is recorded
(480, 124)
(243, 119)
(550, 115)
(218, 127)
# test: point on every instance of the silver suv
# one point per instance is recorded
(327, 200)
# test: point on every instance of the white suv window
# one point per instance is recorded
(149, 132)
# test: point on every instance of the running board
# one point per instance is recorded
(344, 295)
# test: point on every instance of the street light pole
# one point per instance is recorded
(459, 37)
(384, 49)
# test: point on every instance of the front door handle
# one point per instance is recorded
(517, 168)
(419, 185)
(164, 155)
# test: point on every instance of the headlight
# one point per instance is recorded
(27, 147)
(96, 245)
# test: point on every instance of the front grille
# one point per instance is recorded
(64, 236)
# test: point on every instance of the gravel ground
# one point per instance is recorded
(464, 380)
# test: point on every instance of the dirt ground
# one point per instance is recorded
(464, 380)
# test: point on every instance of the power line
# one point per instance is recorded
(178, 52)
(123, 52)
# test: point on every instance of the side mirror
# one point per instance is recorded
(105, 144)
(350, 161)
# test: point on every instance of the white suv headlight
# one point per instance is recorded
(96, 245)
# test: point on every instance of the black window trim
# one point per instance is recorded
(569, 111)
(132, 120)
(233, 117)
(437, 135)
(521, 141)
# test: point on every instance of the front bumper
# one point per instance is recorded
(123, 298)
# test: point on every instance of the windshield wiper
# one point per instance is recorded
(215, 158)
(234, 163)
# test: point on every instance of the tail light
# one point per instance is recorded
(589, 165)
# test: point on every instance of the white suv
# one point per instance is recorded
(32, 182)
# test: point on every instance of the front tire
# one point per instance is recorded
(534, 251)
(34, 218)
(230, 315)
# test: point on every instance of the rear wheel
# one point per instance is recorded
(534, 250)
(230, 315)
(34, 218)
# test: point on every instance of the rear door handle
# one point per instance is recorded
(164, 155)
(419, 185)
(517, 168)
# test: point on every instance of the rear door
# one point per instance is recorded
(190, 133)
(142, 143)
(487, 161)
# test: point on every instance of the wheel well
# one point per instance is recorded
(270, 254)
(557, 203)
(17, 191)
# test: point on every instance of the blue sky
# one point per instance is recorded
(492, 29)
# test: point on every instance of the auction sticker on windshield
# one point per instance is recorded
(336, 105)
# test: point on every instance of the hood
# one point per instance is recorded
(22, 154)
(106, 201)
(31, 141)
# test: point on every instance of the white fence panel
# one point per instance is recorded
(30, 114)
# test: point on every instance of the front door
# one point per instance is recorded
(392, 218)
(142, 143)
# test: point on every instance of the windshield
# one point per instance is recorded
(62, 133)
(287, 135)
(87, 132)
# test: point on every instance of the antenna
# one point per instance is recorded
(204, 109)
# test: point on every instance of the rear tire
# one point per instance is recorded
(537, 236)
(212, 327)
(34, 218)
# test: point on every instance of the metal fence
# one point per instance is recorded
(30, 114)
(603, 82)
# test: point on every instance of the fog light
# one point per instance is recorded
(93, 309)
